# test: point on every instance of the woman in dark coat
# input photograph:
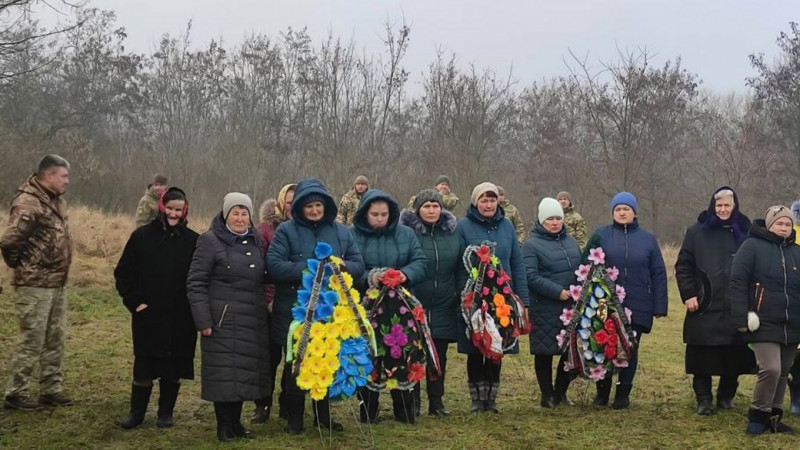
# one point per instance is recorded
(713, 347)
(226, 292)
(637, 254)
(151, 279)
(765, 307)
(485, 221)
(551, 258)
(384, 243)
(443, 246)
(313, 213)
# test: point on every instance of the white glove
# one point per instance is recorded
(752, 321)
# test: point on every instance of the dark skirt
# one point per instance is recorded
(150, 368)
(724, 360)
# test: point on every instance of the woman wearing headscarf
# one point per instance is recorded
(271, 214)
(151, 279)
(485, 222)
(765, 306)
(702, 270)
(313, 220)
(226, 293)
(637, 254)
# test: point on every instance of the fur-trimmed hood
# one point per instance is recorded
(447, 222)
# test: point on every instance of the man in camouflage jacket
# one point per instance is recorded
(512, 214)
(350, 201)
(37, 246)
(442, 185)
(147, 210)
(576, 226)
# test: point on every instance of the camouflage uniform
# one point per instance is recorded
(348, 206)
(576, 226)
(148, 208)
(38, 247)
(449, 200)
(512, 214)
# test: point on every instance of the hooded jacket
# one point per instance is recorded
(393, 246)
(294, 243)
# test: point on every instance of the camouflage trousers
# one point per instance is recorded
(41, 313)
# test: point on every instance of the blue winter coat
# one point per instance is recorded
(477, 229)
(550, 264)
(393, 246)
(636, 253)
(294, 244)
(440, 292)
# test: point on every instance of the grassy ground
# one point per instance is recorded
(98, 367)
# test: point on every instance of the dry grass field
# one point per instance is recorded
(98, 368)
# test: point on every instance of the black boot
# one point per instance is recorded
(224, 414)
(167, 396)
(726, 392)
(758, 422)
(236, 419)
(794, 396)
(322, 415)
(283, 413)
(436, 407)
(417, 399)
(262, 410)
(140, 397)
(475, 393)
(403, 406)
(295, 410)
(777, 425)
(622, 398)
(562, 384)
(368, 407)
(704, 406)
(603, 392)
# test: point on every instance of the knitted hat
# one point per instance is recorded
(236, 199)
(313, 198)
(361, 179)
(625, 198)
(500, 190)
(564, 194)
(549, 207)
(481, 189)
(442, 179)
(159, 179)
(425, 196)
(776, 212)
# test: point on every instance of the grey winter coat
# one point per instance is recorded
(226, 292)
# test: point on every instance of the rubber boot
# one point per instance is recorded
(622, 398)
(140, 397)
(236, 419)
(322, 415)
(368, 408)
(167, 396)
(794, 395)
(603, 392)
(295, 409)
(224, 413)
(726, 393)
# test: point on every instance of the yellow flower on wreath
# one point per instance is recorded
(314, 363)
(331, 347)
(318, 393)
(342, 314)
(391, 384)
(298, 333)
(335, 285)
(350, 330)
(315, 347)
(317, 330)
(332, 362)
(325, 379)
(333, 331)
(306, 379)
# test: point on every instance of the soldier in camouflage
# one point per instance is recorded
(576, 226)
(350, 201)
(512, 214)
(148, 204)
(442, 185)
(37, 246)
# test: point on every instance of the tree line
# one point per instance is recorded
(280, 107)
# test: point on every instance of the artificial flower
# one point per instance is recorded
(620, 294)
(560, 337)
(419, 313)
(416, 372)
(597, 373)
(484, 254)
(613, 273)
(575, 291)
(583, 272)
(392, 278)
(597, 256)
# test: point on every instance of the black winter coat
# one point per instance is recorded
(226, 291)
(292, 246)
(440, 291)
(550, 264)
(702, 270)
(153, 269)
(766, 270)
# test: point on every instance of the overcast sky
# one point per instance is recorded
(713, 37)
